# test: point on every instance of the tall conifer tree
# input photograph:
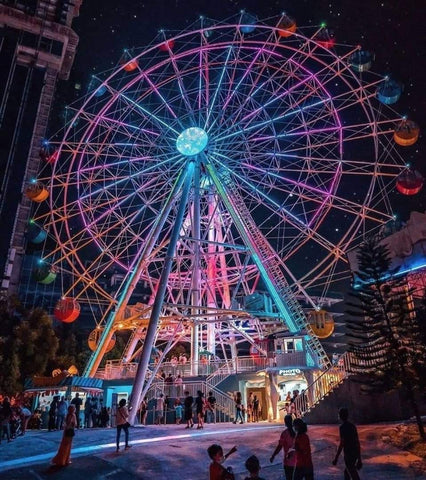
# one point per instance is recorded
(384, 334)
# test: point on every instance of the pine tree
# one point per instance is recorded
(384, 334)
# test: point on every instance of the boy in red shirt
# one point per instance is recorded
(217, 470)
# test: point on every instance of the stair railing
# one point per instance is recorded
(323, 385)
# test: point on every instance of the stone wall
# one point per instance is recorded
(383, 407)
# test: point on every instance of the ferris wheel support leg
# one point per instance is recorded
(196, 273)
(291, 324)
(96, 357)
(211, 268)
(158, 302)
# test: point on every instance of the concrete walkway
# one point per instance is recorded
(171, 452)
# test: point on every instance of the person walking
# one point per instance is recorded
(238, 408)
(286, 442)
(187, 405)
(122, 424)
(63, 457)
(349, 443)
(199, 408)
(304, 468)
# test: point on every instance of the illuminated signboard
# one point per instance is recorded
(291, 372)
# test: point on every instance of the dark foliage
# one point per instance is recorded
(385, 336)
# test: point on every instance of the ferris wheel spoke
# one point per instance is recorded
(290, 62)
(154, 167)
(217, 89)
(121, 125)
(277, 208)
(255, 88)
(284, 116)
(320, 196)
(183, 93)
(138, 107)
(232, 90)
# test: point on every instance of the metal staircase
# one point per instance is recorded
(219, 375)
(290, 309)
(323, 385)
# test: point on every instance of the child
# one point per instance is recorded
(253, 467)
(217, 470)
(178, 411)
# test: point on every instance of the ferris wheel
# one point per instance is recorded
(228, 158)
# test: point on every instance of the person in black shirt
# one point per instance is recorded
(187, 404)
(211, 408)
(349, 443)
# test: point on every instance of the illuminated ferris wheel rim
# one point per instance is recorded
(240, 43)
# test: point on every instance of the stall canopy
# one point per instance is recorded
(61, 382)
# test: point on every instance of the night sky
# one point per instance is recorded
(393, 30)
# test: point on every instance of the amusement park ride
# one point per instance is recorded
(233, 157)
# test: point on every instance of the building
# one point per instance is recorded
(37, 47)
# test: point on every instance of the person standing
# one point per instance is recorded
(200, 407)
(62, 458)
(77, 402)
(286, 442)
(238, 408)
(87, 412)
(143, 411)
(94, 412)
(61, 413)
(6, 415)
(52, 414)
(178, 383)
(304, 468)
(122, 424)
(159, 409)
(349, 443)
(250, 407)
(168, 383)
(255, 409)
(211, 408)
(187, 405)
(178, 411)
(25, 418)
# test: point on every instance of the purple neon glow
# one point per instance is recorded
(230, 98)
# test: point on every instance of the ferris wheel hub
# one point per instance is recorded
(192, 141)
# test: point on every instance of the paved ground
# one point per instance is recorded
(173, 453)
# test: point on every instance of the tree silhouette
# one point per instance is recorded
(384, 334)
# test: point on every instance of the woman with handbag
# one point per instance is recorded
(62, 458)
(122, 423)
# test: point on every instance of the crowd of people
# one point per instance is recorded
(204, 409)
(14, 419)
(16, 415)
(297, 457)
(91, 414)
